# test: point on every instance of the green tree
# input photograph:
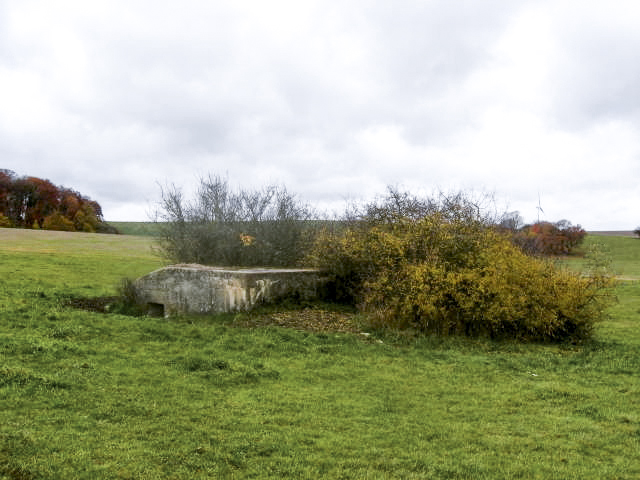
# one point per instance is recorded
(57, 221)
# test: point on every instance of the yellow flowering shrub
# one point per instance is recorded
(455, 275)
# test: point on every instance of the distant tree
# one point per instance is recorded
(511, 221)
(69, 202)
(57, 221)
(45, 200)
(20, 199)
(6, 181)
(85, 219)
(6, 178)
(32, 202)
(637, 232)
(546, 238)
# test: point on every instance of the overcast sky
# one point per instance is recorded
(334, 99)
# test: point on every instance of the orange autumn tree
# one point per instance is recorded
(32, 202)
(45, 200)
(546, 238)
(5, 187)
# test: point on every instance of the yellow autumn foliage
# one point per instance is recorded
(447, 275)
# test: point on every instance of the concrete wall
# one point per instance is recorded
(191, 288)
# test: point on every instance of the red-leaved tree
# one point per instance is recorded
(546, 238)
(32, 202)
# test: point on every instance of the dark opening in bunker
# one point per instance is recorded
(155, 309)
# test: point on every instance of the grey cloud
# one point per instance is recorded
(304, 93)
(426, 52)
(596, 68)
(413, 55)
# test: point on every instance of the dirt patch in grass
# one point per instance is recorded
(311, 319)
(318, 319)
(95, 304)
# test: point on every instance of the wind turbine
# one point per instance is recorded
(539, 208)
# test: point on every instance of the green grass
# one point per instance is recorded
(88, 395)
(624, 253)
(137, 228)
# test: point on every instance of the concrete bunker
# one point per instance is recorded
(193, 288)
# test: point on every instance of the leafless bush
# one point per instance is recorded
(227, 227)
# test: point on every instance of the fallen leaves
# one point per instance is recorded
(312, 319)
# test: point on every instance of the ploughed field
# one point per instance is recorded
(293, 392)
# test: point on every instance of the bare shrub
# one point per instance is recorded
(227, 227)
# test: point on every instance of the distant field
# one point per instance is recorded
(615, 233)
(623, 251)
(97, 262)
(137, 228)
(88, 395)
(72, 243)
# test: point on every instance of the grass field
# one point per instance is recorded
(147, 229)
(91, 395)
(624, 252)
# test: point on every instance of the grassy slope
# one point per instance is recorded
(85, 395)
(136, 228)
(624, 253)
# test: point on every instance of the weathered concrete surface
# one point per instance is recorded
(192, 288)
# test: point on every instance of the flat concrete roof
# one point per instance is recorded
(241, 270)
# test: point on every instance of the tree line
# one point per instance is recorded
(543, 237)
(32, 202)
